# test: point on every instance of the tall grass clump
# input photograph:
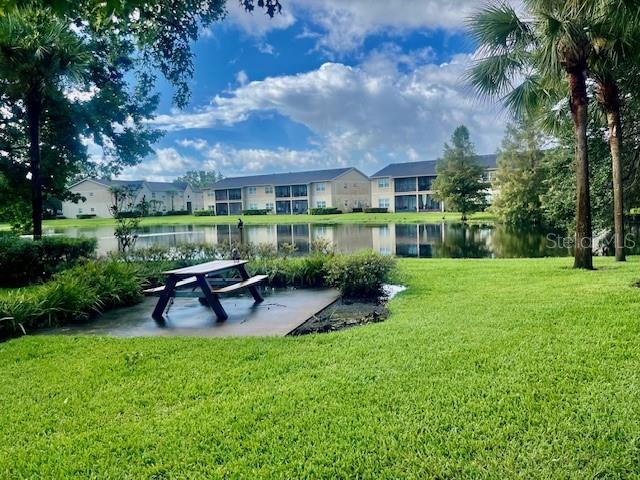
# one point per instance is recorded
(361, 275)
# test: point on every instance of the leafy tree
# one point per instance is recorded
(520, 176)
(521, 57)
(200, 178)
(459, 183)
(38, 55)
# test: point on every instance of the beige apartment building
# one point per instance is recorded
(290, 193)
(97, 196)
(407, 187)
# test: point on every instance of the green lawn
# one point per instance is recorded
(368, 218)
(485, 369)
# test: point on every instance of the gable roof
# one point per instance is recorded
(291, 178)
(137, 184)
(425, 168)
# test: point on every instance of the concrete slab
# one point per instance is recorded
(281, 312)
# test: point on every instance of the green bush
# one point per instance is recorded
(308, 271)
(253, 211)
(325, 211)
(85, 216)
(72, 295)
(134, 214)
(361, 275)
(204, 213)
(357, 210)
(376, 210)
(177, 212)
(24, 261)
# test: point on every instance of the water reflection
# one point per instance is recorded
(438, 240)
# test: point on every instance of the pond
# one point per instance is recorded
(433, 240)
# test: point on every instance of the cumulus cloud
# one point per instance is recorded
(373, 107)
(167, 164)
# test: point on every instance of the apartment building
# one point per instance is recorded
(290, 193)
(407, 187)
(158, 196)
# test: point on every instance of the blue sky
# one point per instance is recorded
(327, 83)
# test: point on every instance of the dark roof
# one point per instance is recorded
(153, 186)
(428, 167)
(291, 178)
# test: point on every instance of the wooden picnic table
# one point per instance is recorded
(203, 277)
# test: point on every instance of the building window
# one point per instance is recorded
(221, 195)
(235, 208)
(406, 203)
(153, 194)
(283, 207)
(427, 203)
(425, 183)
(268, 189)
(298, 190)
(383, 203)
(320, 187)
(321, 204)
(222, 209)
(235, 194)
(299, 207)
(91, 194)
(283, 192)
(383, 183)
(269, 206)
(79, 210)
(405, 184)
(253, 206)
(93, 209)
(251, 190)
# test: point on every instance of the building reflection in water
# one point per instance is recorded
(437, 240)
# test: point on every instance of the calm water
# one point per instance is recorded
(440, 240)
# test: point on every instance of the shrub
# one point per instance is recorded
(177, 212)
(308, 271)
(133, 214)
(204, 213)
(361, 275)
(325, 211)
(85, 216)
(25, 261)
(357, 210)
(260, 211)
(376, 210)
(73, 295)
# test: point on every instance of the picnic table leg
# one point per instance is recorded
(211, 298)
(253, 289)
(165, 296)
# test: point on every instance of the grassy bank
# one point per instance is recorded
(486, 368)
(366, 218)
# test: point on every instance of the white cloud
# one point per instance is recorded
(242, 78)
(374, 107)
(343, 25)
(167, 164)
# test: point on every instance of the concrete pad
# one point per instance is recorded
(282, 311)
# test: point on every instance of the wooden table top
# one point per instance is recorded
(209, 267)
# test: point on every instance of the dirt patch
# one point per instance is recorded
(347, 313)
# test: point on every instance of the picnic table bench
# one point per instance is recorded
(205, 282)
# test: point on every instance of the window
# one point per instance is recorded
(298, 190)
(299, 206)
(405, 184)
(93, 209)
(221, 195)
(427, 202)
(383, 183)
(251, 190)
(235, 194)
(406, 203)
(222, 209)
(321, 204)
(235, 208)
(320, 187)
(283, 207)
(268, 189)
(283, 192)
(253, 206)
(91, 194)
(153, 194)
(383, 203)
(269, 206)
(79, 210)
(425, 183)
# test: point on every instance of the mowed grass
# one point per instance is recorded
(363, 218)
(485, 369)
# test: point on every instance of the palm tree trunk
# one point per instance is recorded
(34, 110)
(579, 106)
(610, 99)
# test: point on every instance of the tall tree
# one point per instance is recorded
(38, 55)
(200, 178)
(460, 183)
(520, 176)
(520, 55)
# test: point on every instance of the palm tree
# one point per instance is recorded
(39, 56)
(613, 51)
(524, 59)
